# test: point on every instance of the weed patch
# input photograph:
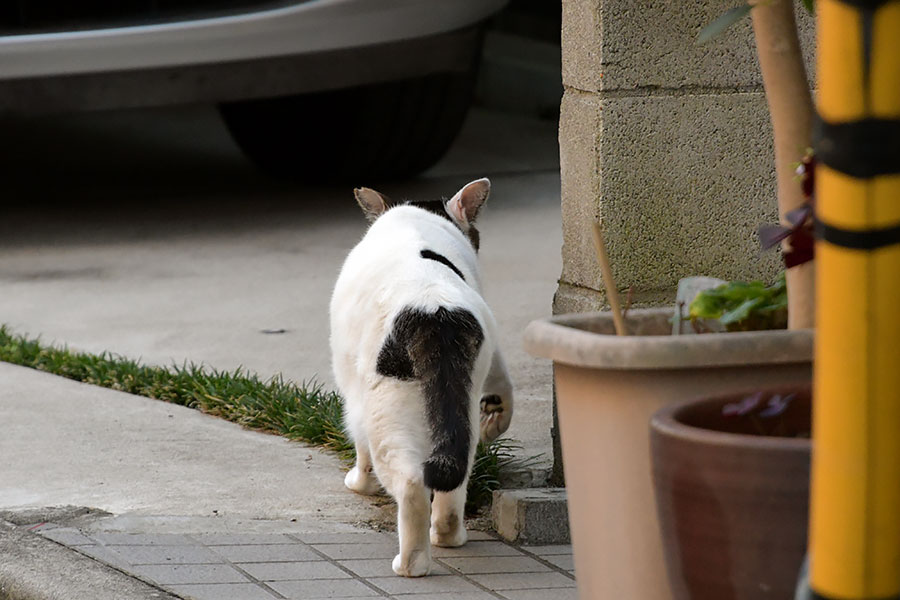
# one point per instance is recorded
(305, 412)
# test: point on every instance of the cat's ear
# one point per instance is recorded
(464, 206)
(371, 202)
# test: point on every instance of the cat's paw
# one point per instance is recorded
(495, 418)
(449, 539)
(362, 482)
(418, 564)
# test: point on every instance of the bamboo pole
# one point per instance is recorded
(791, 112)
(609, 283)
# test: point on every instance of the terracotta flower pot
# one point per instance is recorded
(607, 388)
(732, 503)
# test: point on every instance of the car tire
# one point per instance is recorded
(374, 132)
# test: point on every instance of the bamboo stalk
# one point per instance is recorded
(608, 282)
(791, 112)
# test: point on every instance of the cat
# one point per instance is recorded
(415, 357)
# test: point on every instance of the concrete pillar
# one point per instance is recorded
(668, 142)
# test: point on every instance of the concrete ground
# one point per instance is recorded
(148, 235)
(69, 443)
(185, 505)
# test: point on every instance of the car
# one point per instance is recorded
(309, 89)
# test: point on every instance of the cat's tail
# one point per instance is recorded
(439, 349)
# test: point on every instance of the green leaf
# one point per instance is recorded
(741, 312)
(738, 301)
(810, 6)
(729, 18)
(706, 306)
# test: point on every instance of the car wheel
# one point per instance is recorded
(380, 131)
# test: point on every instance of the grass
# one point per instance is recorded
(305, 412)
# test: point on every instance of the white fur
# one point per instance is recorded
(381, 276)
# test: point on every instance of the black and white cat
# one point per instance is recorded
(415, 355)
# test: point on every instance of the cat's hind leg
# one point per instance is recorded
(448, 529)
(413, 512)
(361, 478)
(398, 462)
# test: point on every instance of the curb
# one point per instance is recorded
(531, 516)
(35, 568)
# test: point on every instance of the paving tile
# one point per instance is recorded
(237, 539)
(167, 555)
(422, 585)
(103, 554)
(323, 588)
(286, 571)
(496, 564)
(350, 551)
(449, 596)
(223, 591)
(556, 594)
(179, 574)
(476, 536)
(523, 581)
(486, 548)
(360, 537)
(142, 539)
(549, 550)
(67, 535)
(381, 567)
(266, 553)
(566, 562)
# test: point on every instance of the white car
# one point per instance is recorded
(308, 88)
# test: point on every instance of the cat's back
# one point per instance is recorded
(407, 259)
(409, 256)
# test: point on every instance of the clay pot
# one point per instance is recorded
(607, 388)
(732, 503)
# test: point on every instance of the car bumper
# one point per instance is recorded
(309, 28)
(242, 80)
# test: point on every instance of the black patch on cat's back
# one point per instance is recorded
(417, 337)
(432, 255)
(439, 349)
(393, 360)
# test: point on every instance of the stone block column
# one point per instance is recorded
(668, 142)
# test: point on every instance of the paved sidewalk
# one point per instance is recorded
(65, 443)
(306, 566)
(204, 509)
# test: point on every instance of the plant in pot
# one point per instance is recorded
(608, 386)
(731, 474)
(731, 471)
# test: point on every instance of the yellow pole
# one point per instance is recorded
(855, 506)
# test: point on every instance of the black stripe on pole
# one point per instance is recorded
(866, 4)
(862, 149)
(869, 239)
(813, 595)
